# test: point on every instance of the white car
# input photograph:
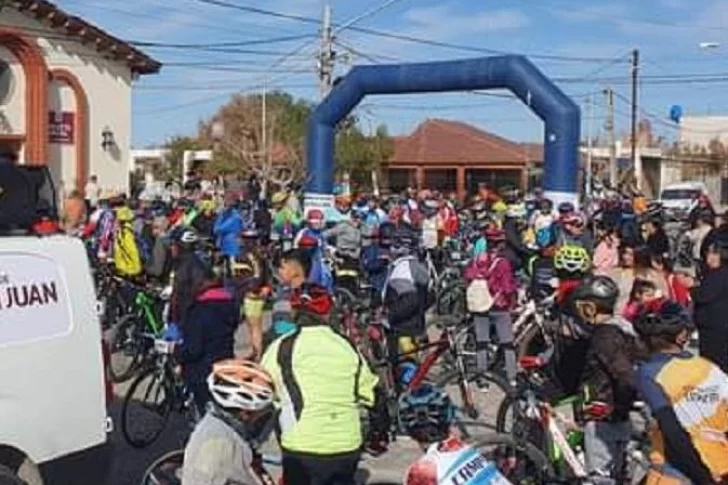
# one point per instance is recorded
(54, 392)
(678, 199)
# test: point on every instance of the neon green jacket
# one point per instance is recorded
(321, 380)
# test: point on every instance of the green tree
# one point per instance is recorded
(236, 132)
(171, 169)
(358, 154)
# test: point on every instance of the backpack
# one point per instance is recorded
(127, 259)
(478, 296)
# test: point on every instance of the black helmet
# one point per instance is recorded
(601, 290)
(566, 207)
(510, 194)
(662, 318)
(185, 237)
(545, 205)
(386, 233)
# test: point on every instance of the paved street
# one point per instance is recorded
(131, 463)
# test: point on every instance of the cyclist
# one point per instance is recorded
(575, 232)
(251, 282)
(190, 270)
(572, 263)
(496, 271)
(320, 380)
(127, 257)
(607, 378)
(426, 414)
(541, 266)
(513, 225)
(286, 221)
(227, 229)
(376, 259)
(348, 239)
(208, 335)
(405, 294)
(223, 448)
(159, 265)
(688, 398)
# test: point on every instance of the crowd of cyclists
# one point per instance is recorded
(627, 302)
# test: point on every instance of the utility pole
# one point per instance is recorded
(633, 138)
(326, 54)
(589, 159)
(609, 128)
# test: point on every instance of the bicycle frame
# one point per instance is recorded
(145, 304)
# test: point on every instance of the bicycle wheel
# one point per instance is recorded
(166, 470)
(519, 461)
(146, 409)
(126, 345)
(511, 419)
(475, 399)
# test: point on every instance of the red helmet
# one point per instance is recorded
(495, 234)
(315, 219)
(312, 298)
(307, 241)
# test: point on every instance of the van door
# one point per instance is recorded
(51, 366)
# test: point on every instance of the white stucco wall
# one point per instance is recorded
(62, 157)
(13, 111)
(108, 88)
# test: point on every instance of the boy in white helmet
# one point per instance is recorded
(222, 449)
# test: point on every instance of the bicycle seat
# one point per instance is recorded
(531, 362)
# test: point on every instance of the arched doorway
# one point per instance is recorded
(34, 138)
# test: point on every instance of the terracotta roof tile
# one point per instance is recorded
(438, 142)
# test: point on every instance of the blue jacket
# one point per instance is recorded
(228, 228)
(208, 335)
(376, 264)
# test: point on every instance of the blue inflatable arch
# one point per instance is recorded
(560, 114)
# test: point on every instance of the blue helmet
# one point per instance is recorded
(426, 413)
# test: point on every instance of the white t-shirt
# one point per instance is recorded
(452, 462)
(92, 192)
(429, 233)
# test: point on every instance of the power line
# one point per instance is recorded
(261, 11)
(273, 40)
(403, 37)
(217, 27)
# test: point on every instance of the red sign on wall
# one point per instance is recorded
(61, 127)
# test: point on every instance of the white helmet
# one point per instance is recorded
(240, 384)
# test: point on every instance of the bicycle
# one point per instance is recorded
(157, 392)
(448, 347)
(547, 425)
(127, 339)
(167, 469)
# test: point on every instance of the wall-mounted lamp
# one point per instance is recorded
(107, 139)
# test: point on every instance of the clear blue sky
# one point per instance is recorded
(585, 44)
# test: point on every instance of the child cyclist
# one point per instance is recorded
(426, 414)
(688, 398)
(607, 378)
(222, 449)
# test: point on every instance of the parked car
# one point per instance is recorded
(678, 199)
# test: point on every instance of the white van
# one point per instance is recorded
(678, 198)
(53, 389)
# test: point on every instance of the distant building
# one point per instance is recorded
(700, 131)
(453, 156)
(65, 94)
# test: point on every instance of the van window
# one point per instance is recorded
(680, 194)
